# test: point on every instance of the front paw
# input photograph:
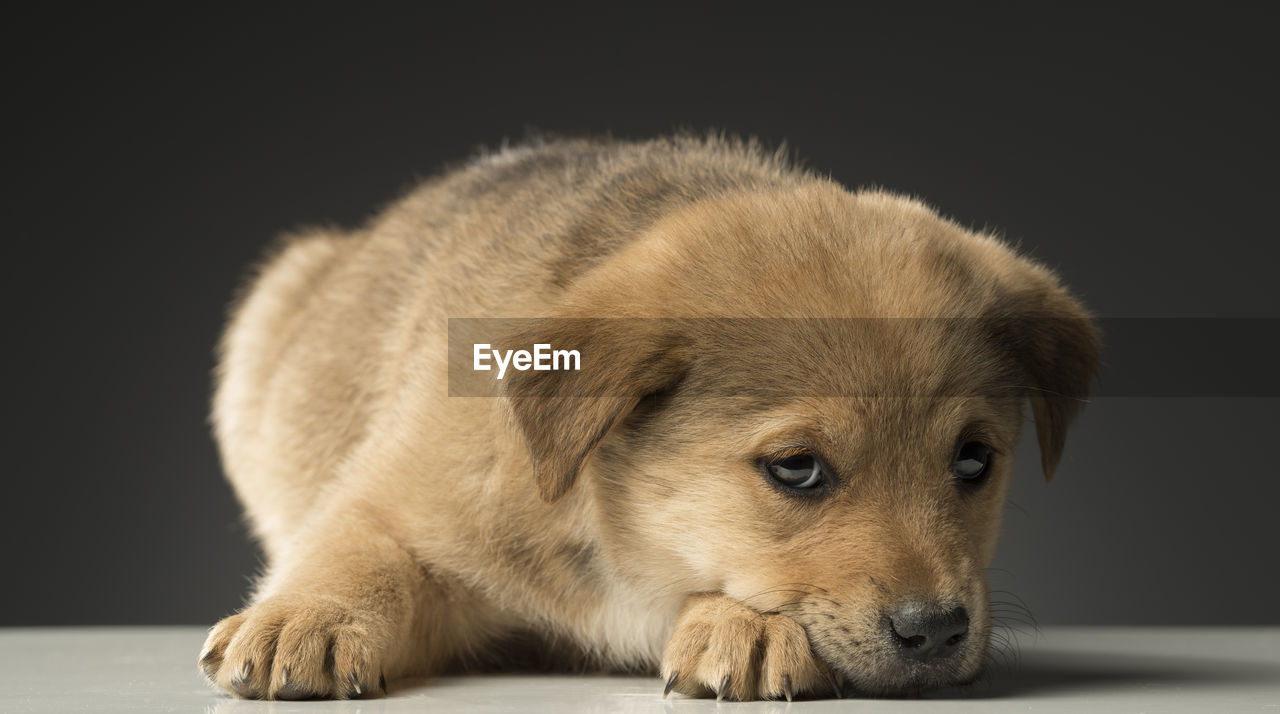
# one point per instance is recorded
(296, 648)
(728, 650)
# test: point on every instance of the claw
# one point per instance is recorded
(671, 683)
(284, 676)
(207, 663)
(382, 682)
(724, 687)
(835, 686)
(355, 683)
(240, 683)
(786, 686)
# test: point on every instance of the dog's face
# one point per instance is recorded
(839, 450)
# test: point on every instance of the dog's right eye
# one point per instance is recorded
(801, 471)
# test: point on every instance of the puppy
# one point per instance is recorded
(778, 469)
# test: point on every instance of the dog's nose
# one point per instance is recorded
(926, 631)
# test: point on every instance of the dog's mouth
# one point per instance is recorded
(899, 679)
(915, 681)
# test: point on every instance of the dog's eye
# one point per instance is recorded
(799, 471)
(972, 461)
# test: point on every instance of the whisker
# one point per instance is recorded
(1002, 651)
(1002, 617)
(775, 591)
(1014, 610)
(804, 588)
(1022, 604)
(1010, 617)
(1010, 503)
(811, 601)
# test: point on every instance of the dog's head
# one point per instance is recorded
(827, 427)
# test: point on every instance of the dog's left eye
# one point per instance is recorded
(972, 461)
(799, 471)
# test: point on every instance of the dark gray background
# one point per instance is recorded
(152, 154)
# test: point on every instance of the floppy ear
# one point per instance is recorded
(564, 415)
(1055, 344)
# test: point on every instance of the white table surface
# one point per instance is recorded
(1076, 669)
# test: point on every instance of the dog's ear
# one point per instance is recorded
(564, 415)
(1054, 343)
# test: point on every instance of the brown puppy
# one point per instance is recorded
(756, 507)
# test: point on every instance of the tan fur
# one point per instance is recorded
(408, 531)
